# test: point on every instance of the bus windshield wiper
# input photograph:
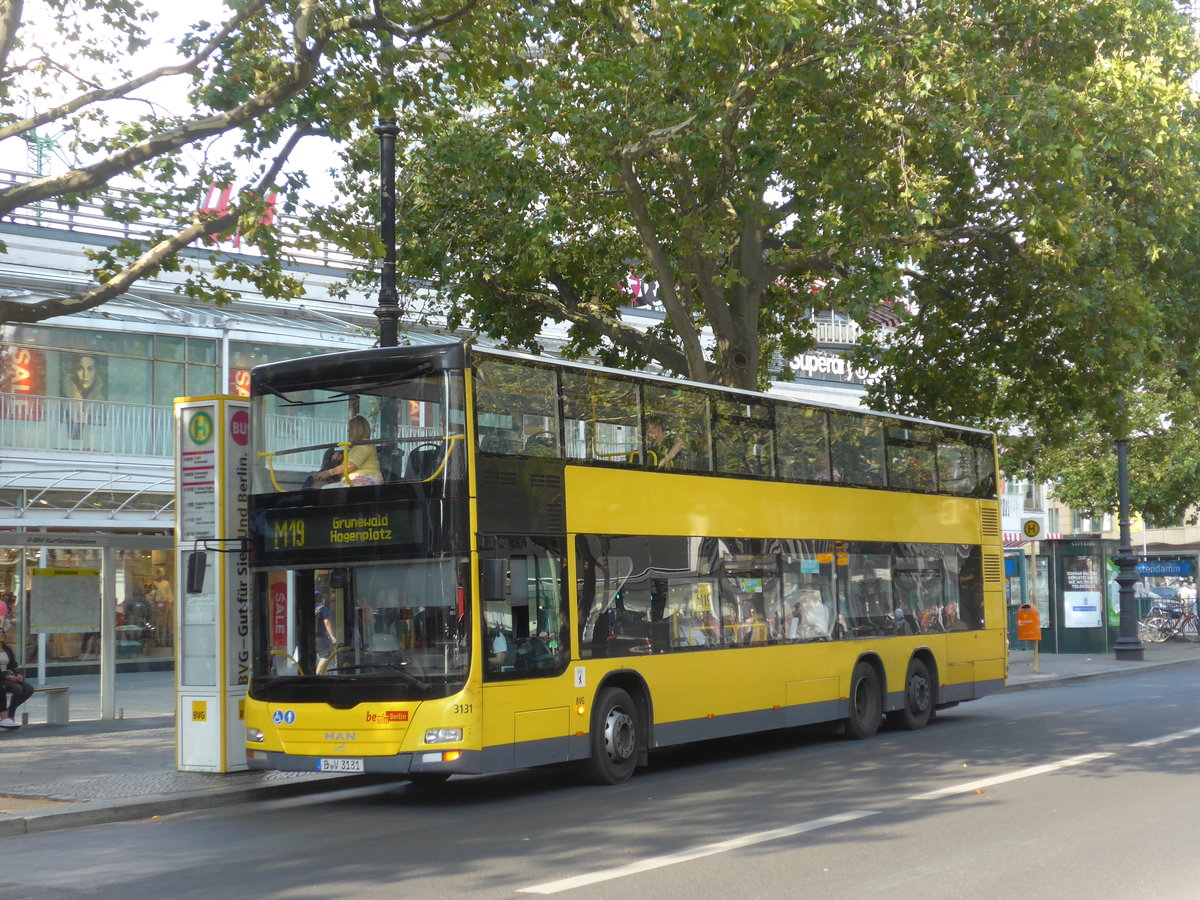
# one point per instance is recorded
(412, 679)
(407, 375)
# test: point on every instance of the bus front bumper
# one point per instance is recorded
(468, 762)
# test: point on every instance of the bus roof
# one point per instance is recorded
(353, 365)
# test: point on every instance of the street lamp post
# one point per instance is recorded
(388, 310)
(1128, 645)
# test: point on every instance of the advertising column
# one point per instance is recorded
(212, 664)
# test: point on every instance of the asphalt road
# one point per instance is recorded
(1084, 790)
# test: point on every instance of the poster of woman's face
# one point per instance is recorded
(83, 376)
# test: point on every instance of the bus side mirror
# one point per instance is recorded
(493, 583)
(493, 586)
(196, 562)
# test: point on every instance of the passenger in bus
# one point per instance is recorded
(814, 617)
(664, 447)
(326, 639)
(904, 622)
(756, 632)
(952, 621)
(362, 466)
(825, 472)
(498, 656)
(541, 443)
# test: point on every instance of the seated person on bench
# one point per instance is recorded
(14, 683)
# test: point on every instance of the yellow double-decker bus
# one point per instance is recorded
(474, 561)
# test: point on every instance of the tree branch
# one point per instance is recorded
(678, 314)
(101, 95)
(569, 306)
(12, 311)
(10, 23)
(303, 71)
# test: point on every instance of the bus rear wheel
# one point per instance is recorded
(918, 698)
(866, 703)
(615, 738)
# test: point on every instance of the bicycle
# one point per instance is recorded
(1169, 619)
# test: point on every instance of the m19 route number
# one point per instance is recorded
(289, 534)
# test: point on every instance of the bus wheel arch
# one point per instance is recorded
(620, 728)
(919, 696)
(865, 699)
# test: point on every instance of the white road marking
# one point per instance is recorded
(1167, 738)
(748, 840)
(969, 786)
(658, 862)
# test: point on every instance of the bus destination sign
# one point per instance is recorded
(315, 529)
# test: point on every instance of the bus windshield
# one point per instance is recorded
(357, 433)
(358, 525)
(395, 630)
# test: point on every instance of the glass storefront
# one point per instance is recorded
(107, 366)
(244, 356)
(52, 604)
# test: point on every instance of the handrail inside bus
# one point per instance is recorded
(345, 445)
(323, 666)
(269, 455)
(630, 456)
(289, 658)
(270, 458)
(450, 438)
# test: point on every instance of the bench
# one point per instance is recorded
(58, 706)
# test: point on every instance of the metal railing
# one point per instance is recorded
(837, 332)
(90, 218)
(31, 423)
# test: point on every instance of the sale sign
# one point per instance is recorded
(23, 379)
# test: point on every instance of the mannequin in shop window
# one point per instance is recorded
(16, 689)
(91, 646)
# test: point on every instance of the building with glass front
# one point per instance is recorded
(87, 488)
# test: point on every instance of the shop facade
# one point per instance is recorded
(86, 463)
(87, 489)
(64, 592)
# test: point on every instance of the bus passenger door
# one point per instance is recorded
(525, 646)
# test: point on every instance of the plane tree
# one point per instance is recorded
(1022, 175)
(227, 102)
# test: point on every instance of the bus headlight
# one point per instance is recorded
(254, 736)
(443, 735)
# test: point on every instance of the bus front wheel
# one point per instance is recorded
(918, 699)
(866, 703)
(615, 738)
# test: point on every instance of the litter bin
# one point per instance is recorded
(1029, 623)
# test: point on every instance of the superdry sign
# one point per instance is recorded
(822, 365)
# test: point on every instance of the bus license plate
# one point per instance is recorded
(339, 765)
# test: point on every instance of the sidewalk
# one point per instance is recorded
(1056, 668)
(93, 772)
